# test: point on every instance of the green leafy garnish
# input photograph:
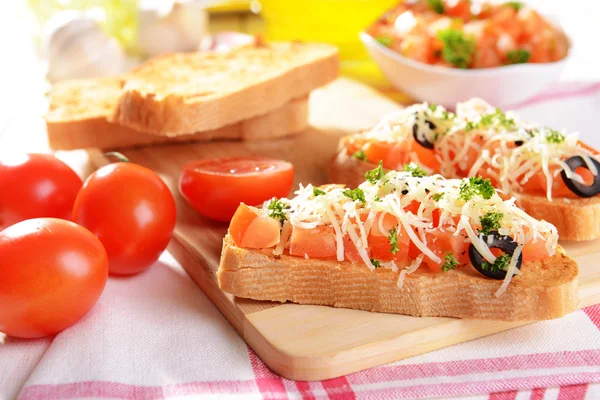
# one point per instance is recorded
(385, 40)
(361, 155)
(377, 198)
(436, 5)
(355, 194)
(476, 186)
(497, 118)
(458, 48)
(275, 208)
(450, 262)
(501, 264)
(414, 170)
(393, 239)
(490, 222)
(437, 196)
(376, 263)
(518, 56)
(375, 174)
(318, 192)
(517, 5)
(554, 137)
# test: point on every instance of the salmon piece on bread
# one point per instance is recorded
(402, 242)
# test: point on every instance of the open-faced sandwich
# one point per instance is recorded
(554, 176)
(402, 242)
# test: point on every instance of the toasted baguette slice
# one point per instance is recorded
(575, 219)
(79, 109)
(547, 288)
(181, 93)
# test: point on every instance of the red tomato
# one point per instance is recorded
(36, 185)
(52, 273)
(131, 210)
(216, 187)
(314, 243)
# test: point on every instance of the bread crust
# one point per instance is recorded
(547, 289)
(79, 109)
(575, 219)
(181, 93)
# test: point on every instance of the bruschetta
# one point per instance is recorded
(401, 242)
(553, 175)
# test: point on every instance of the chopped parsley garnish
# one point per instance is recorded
(414, 170)
(376, 174)
(356, 195)
(437, 196)
(361, 155)
(385, 40)
(275, 208)
(432, 107)
(490, 222)
(318, 192)
(377, 198)
(393, 239)
(517, 5)
(501, 264)
(376, 263)
(458, 48)
(476, 186)
(436, 5)
(450, 262)
(554, 137)
(497, 118)
(518, 56)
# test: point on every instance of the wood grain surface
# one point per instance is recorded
(312, 342)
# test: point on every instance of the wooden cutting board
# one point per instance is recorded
(313, 342)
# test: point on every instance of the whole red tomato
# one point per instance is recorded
(52, 272)
(131, 210)
(216, 187)
(36, 185)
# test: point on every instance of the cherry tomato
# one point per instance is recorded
(131, 210)
(216, 187)
(36, 185)
(52, 273)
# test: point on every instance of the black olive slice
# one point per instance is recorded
(519, 143)
(502, 242)
(581, 189)
(423, 140)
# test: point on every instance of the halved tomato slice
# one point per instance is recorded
(216, 187)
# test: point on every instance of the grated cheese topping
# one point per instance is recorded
(393, 193)
(497, 144)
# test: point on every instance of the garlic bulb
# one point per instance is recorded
(171, 26)
(76, 47)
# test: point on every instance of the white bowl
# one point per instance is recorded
(500, 86)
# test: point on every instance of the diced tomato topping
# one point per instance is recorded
(534, 250)
(442, 243)
(250, 231)
(380, 244)
(413, 207)
(315, 243)
(376, 151)
(240, 221)
(426, 156)
(350, 251)
(397, 155)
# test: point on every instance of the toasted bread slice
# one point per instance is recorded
(181, 93)
(78, 113)
(575, 219)
(547, 288)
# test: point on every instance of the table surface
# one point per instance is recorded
(22, 128)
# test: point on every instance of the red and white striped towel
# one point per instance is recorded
(156, 336)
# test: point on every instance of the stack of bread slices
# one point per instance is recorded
(250, 93)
